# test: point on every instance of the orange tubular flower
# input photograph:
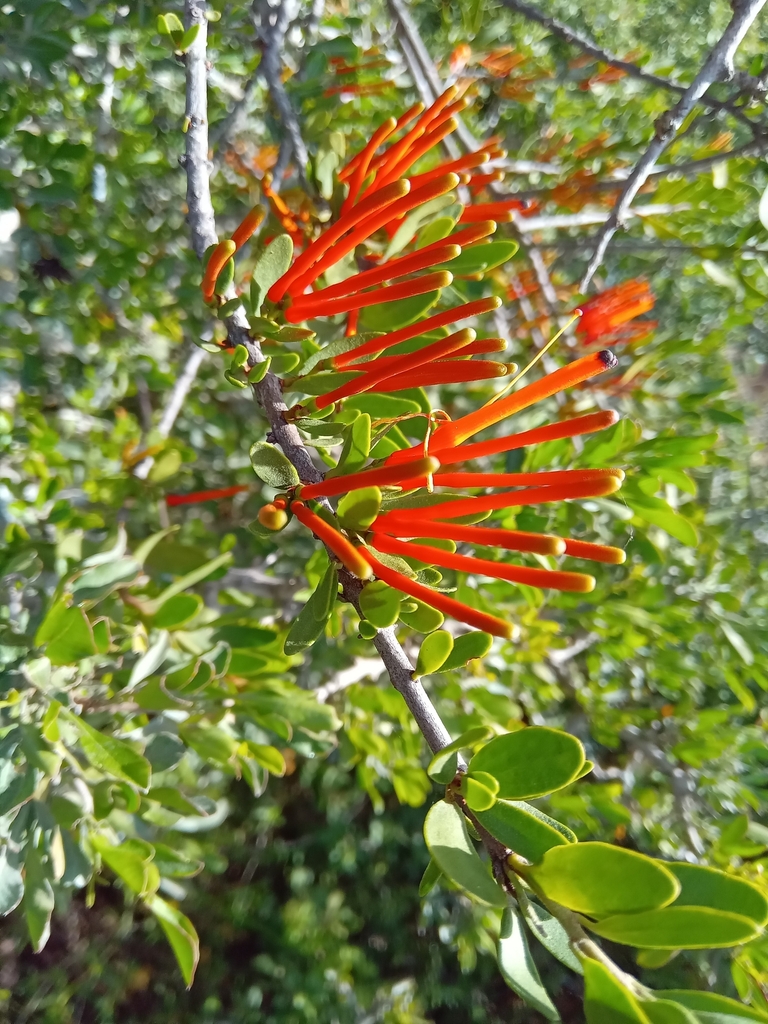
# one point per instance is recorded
(595, 552)
(195, 496)
(349, 556)
(315, 307)
(448, 371)
(328, 255)
(375, 375)
(360, 170)
(448, 435)
(509, 499)
(385, 341)
(501, 211)
(448, 605)
(220, 256)
(603, 314)
(248, 226)
(381, 476)
(485, 536)
(551, 578)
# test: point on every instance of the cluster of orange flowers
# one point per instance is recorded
(382, 191)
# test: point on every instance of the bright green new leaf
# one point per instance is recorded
(67, 634)
(531, 762)
(177, 611)
(522, 832)
(209, 741)
(707, 887)
(111, 755)
(601, 880)
(149, 662)
(130, 864)
(424, 619)
(434, 650)
(357, 446)
(380, 604)
(677, 928)
(720, 1009)
(478, 259)
(272, 467)
(442, 767)
(551, 934)
(271, 264)
(309, 626)
(466, 648)
(358, 509)
(606, 1000)
(518, 968)
(449, 843)
(180, 933)
(479, 791)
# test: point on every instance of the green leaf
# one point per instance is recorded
(466, 648)
(130, 863)
(606, 1000)
(518, 968)
(527, 835)
(381, 407)
(149, 662)
(659, 513)
(96, 583)
(272, 467)
(430, 878)
(436, 230)
(551, 934)
(173, 799)
(17, 787)
(111, 755)
(67, 634)
(663, 1011)
(309, 626)
(177, 611)
(270, 266)
(707, 887)
(268, 757)
(188, 38)
(602, 880)
(358, 509)
(434, 650)
(450, 846)
(181, 935)
(38, 899)
(477, 259)
(719, 1008)
(391, 316)
(424, 620)
(479, 790)
(531, 762)
(677, 928)
(357, 446)
(209, 742)
(442, 767)
(380, 604)
(11, 882)
(152, 606)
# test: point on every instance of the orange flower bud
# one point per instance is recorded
(272, 518)
(248, 226)
(220, 256)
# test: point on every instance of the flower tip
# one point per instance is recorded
(608, 359)
(432, 464)
(620, 557)
(558, 546)
(588, 584)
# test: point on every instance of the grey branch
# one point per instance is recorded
(269, 391)
(588, 45)
(587, 217)
(718, 66)
(272, 19)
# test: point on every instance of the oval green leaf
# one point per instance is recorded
(391, 316)
(532, 762)
(424, 619)
(664, 1011)
(380, 604)
(606, 1000)
(448, 842)
(712, 1003)
(466, 648)
(442, 767)
(677, 928)
(708, 887)
(478, 795)
(603, 880)
(520, 831)
(518, 968)
(358, 509)
(272, 467)
(434, 650)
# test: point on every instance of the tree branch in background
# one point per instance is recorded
(718, 66)
(588, 45)
(269, 391)
(272, 19)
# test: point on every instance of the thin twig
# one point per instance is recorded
(588, 45)
(269, 391)
(718, 66)
(587, 217)
(272, 19)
